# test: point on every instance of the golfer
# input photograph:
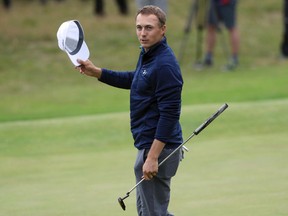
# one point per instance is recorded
(155, 106)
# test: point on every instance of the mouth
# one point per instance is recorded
(143, 41)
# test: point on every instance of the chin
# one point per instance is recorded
(146, 45)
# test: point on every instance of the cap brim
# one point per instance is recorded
(82, 54)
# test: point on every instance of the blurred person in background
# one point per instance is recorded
(45, 1)
(7, 4)
(284, 44)
(159, 3)
(222, 11)
(100, 11)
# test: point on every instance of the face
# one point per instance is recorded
(148, 30)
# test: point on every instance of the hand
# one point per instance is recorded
(89, 69)
(150, 168)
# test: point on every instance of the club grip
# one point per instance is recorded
(209, 120)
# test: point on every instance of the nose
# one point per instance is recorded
(143, 31)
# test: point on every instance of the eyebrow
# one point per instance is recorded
(148, 25)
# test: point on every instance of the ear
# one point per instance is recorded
(163, 29)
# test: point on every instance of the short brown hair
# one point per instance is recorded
(151, 9)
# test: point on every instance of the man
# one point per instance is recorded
(99, 7)
(284, 43)
(155, 106)
(7, 4)
(222, 11)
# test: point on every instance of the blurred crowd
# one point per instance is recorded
(8, 3)
(99, 5)
(123, 8)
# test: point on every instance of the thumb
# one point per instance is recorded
(81, 62)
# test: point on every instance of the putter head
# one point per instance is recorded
(122, 204)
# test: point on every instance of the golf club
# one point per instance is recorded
(196, 132)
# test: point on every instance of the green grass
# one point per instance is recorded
(72, 166)
(65, 144)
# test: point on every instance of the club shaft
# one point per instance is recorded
(135, 186)
(176, 149)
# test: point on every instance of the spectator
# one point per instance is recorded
(222, 11)
(7, 4)
(45, 1)
(284, 44)
(99, 7)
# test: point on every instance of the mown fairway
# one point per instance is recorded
(65, 144)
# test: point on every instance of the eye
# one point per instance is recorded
(149, 28)
(139, 28)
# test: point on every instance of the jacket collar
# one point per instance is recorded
(154, 48)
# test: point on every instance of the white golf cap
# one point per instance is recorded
(70, 37)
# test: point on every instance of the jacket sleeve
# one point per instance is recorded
(117, 79)
(168, 90)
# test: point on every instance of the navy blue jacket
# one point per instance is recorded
(155, 96)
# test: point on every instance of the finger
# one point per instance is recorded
(147, 176)
(150, 176)
(80, 61)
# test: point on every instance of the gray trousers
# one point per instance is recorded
(160, 3)
(153, 196)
